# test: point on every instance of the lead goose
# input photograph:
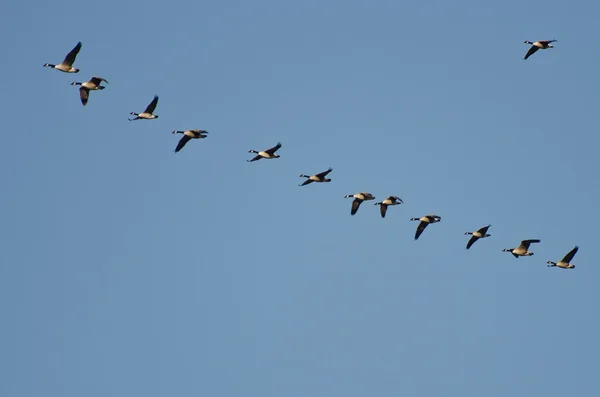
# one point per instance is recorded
(565, 263)
(542, 44)
(265, 154)
(425, 221)
(481, 233)
(147, 114)
(93, 84)
(358, 199)
(392, 200)
(187, 136)
(67, 64)
(320, 177)
(522, 249)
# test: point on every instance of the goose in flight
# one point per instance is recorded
(392, 200)
(522, 249)
(67, 64)
(320, 177)
(358, 199)
(542, 44)
(424, 222)
(481, 233)
(265, 154)
(187, 136)
(93, 84)
(147, 114)
(565, 263)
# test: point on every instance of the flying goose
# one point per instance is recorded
(481, 233)
(265, 154)
(392, 200)
(93, 84)
(565, 262)
(188, 135)
(542, 44)
(521, 250)
(147, 114)
(425, 220)
(67, 64)
(320, 177)
(358, 199)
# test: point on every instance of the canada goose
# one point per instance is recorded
(392, 200)
(147, 114)
(425, 220)
(358, 199)
(265, 154)
(320, 177)
(188, 135)
(67, 64)
(481, 233)
(542, 44)
(93, 84)
(565, 262)
(521, 250)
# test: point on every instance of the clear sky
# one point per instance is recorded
(130, 270)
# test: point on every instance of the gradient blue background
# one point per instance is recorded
(129, 270)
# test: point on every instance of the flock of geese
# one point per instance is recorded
(94, 84)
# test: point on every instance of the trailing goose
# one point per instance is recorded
(542, 44)
(187, 136)
(358, 199)
(93, 84)
(67, 64)
(392, 200)
(147, 114)
(425, 220)
(320, 177)
(565, 262)
(265, 154)
(481, 233)
(522, 249)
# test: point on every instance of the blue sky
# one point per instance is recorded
(130, 270)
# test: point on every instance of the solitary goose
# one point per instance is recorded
(425, 220)
(320, 177)
(93, 84)
(266, 154)
(358, 199)
(542, 44)
(147, 114)
(565, 262)
(481, 233)
(392, 200)
(188, 135)
(67, 64)
(521, 250)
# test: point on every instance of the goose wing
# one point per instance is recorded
(383, 209)
(484, 230)
(570, 255)
(257, 157)
(150, 108)
(546, 42)
(322, 175)
(420, 229)
(70, 58)
(84, 94)
(273, 149)
(184, 139)
(396, 198)
(471, 241)
(525, 243)
(355, 204)
(531, 51)
(97, 80)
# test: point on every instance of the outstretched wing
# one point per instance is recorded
(306, 182)
(257, 157)
(398, 199)
(471, 241)
(531, 51)
(152, 106)
(324, 173)
(546, 42)
(420, 229)
(96, 80)
(84, 94)
(184, 139)
(525, 243)
(70, 58)
(570, 255)
(383, 209)
(355, 205)
(273, 149)
(484, 230)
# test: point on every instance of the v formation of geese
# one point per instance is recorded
(94, 84)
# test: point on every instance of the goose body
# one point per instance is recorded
(265, 154)
(67, 64)
(147, 114)
(538, 45)
(481, 233)
(187, 136)
(522, 249)
(424, 222)
(358, 199)
(92, 85)
(391, 200)
(320, 177)
(565, 263)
